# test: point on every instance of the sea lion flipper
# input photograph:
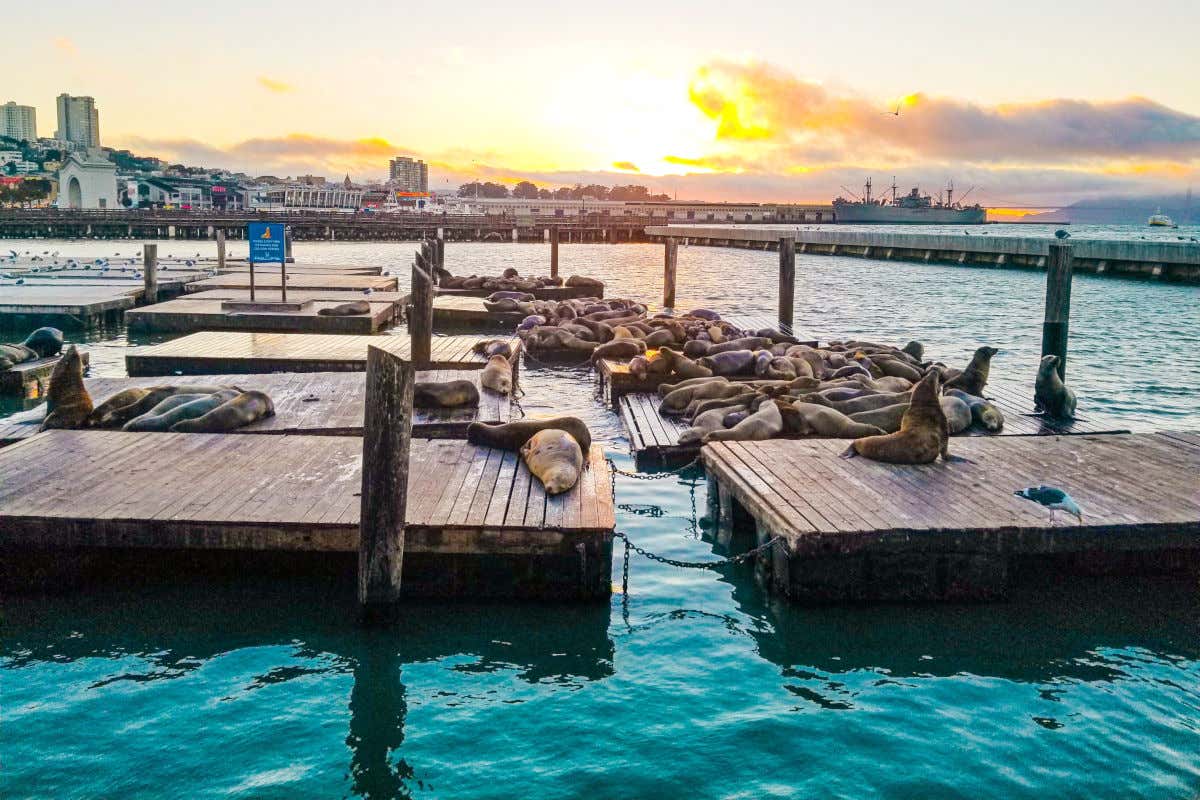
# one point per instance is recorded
(849, 452)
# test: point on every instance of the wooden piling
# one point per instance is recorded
(387, 435)
(420, 317)
(787, 279)
(150, 273)
(220, 251)
(554, 251)
(671, 258)
(1059, 269)
(287, 243)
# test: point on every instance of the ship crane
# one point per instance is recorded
(964, 195)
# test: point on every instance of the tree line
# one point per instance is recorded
(525, 190)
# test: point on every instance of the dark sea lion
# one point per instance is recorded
(510, 273)
(695, 348)
(235, 412)
(729, 362)
(677, 401)
(177, 408)
(924, 432)
(619, 349)
(123, 398)
(659, 338)
(520, 297)
(765, 423)
(346, 309)
(154, 395)
(580, 282)
(497, 375)
(1050, 395)
(972, 379)
(867, 402)
(896, 368)
(45, 342)
(67, 401)
(502, 306)
(513, 435)
(448, 394)
(744, 343)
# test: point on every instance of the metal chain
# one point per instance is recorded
(741, 558)
(655, 476)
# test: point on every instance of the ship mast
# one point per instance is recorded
(867, 193)
(893, 190)
(949, 193)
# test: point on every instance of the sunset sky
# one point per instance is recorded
(1035, 103)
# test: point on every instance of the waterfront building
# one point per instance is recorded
(281, 198)
(87, 180)
(18, 122)
(408, 174)
(78, 121)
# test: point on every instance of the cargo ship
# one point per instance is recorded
(913, 208)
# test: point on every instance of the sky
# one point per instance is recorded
(1031, 103)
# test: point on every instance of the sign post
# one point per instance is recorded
(267, 246)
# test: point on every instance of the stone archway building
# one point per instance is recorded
(87, 180)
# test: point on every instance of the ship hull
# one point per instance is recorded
(891, 215)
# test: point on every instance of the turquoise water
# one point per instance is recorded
(692, 685)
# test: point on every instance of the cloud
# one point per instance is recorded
(765, 111)
(65, 45)
(626, 166)
(293, 154)
(272, 85)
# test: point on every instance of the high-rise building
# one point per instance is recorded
(78, 121)
(18, 122)
(408, 174)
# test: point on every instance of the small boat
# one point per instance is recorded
(1160, 220)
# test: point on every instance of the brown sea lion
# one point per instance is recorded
(896, 368)
(648, 365)
(555, 458)
(619, 349)
(236, 412)
(975, 376)
(704, 424)
(924, 432)
(493, 347)
(829, 423)
(915, 349)
(659, 338)
(513, 435)
(865, 403)
(154, 395)
(765, 423)
(678, 400)
(68, 403)
(447, 394)
(580, 282)
(178, 408)
(346, 309)
(729, 362)
(683, 366)
(983, 412)
(121, 399)
(497, 375)
(1050, 395)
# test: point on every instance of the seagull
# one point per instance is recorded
(368, 290)
(1052, 498)
(895, 113)
(20, 281)
(1061, 234)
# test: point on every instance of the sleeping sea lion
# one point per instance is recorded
(580, 282)
(830, 423)
(678, 400)
(497, 375)
(178, 408)
(983, 412)
(924, 432)
(765, 423)
(448, 394)
(117, 417)
(555, 458)
(493, 347)
(67, 401)
(346, 309)
(513, 435)
(1050, 395)
(619, 349)
(121, 399)
(972, 379)
(702, 425)
(683, 366)
(729, 362)
(235, 412)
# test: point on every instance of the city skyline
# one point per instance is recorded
(770, 114)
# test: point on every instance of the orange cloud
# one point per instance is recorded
(272, 85)
(66, 45)
(626, 166)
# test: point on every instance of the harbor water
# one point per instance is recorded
(691, 685)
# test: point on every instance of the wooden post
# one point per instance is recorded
(220, 250)
(441, 251)
(150, 273)
(1059, 268)
(287, 243)
(787, 279)
(669, 263)
(420, 316)
(553, 251)
(387, 433)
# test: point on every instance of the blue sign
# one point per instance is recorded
(267, 242)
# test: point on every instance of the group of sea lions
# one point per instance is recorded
(552, 449)
(184, 408)
(512, 281)
(42, 343)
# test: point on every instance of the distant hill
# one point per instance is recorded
(1124, 210)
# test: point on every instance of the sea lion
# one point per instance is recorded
(958, 414)
(68, 403)
(659, 338)
(520, 297)
(744, 343)
(179, 408)
(346, 309)
(666, 388)
(924, 432)
(868, 402)
(695, 348)
(497, 375)
(915, 349)
(894, 367)
(983, 412)
(683, 366)
(729, 362)
(580, 282)
(701, 406)
(642, 367)
(702, 425)
(1050, 395)
(830, 423)
(121, 399)
(447, 394)
(154, 395)
(619, 349)
(510, 272)
(765, 423)
(493, 347)
(678, 400)
(513, 435)
(972, 379)
(45, 342)
(555, 458)
(236, 412)
(504, 305)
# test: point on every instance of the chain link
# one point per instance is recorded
(741, 558)
(655, 476)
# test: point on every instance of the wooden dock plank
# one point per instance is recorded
(299, 280)
(456, 311)
(186, 315)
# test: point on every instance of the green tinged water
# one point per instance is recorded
(693, 685)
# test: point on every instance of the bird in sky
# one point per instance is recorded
(895, 113)
(1052, 498)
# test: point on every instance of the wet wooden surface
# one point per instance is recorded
(186, 314)
(269, 279)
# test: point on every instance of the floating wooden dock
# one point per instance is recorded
(299, 295)
(859, 530)
(241, 352)
(83, 304)
(303, 280)
(468, 312)
(654, 438)
(186, 315)
(311, 403)
(545, 293)
(30, 378)
(478, 523)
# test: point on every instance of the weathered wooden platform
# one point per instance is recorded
(860, 530)
(468, 312)
(241, 352)
(312, 403)
(298, 295)
(303, 280)
(186, 315)
(83, 303)
(654, 438)
(546, 293)
(298, 268)
(31, 378)
(478, 523)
